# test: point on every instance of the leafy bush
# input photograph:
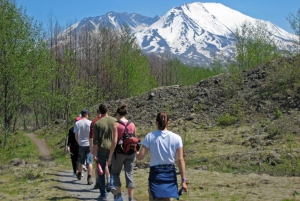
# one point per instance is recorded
(187, 139)
(284, 75)
(227, 119)
(32, 173)
(278, 113)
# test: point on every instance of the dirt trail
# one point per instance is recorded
(78, 189)
(44, 149)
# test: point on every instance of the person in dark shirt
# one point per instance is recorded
(72, 147)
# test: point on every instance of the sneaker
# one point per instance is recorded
(103, 198)
(114, 192)
(90, 181)
(78, 176)
(84, 168)
(119, 198)
(108, 189)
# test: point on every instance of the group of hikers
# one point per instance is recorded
(99, 139)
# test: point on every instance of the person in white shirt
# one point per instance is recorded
(82, 135)
(165, 148)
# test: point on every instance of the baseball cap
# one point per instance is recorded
(84, 112)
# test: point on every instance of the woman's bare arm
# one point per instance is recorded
(181, 165)
(141, 154)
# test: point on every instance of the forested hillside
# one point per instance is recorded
(44, 78)
(239, 119)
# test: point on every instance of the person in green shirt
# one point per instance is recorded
(103, 135)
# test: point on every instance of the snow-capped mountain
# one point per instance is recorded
(133, 20)
(195, 32)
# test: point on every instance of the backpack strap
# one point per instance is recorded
(123, 123)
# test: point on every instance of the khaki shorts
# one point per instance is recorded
(157, 199)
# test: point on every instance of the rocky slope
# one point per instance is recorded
(228, 123)
(201, 105)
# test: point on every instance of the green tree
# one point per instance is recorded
(132, 74)
(22, 49)
(254, 45)
(294, 21)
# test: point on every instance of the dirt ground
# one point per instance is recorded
(76, 188)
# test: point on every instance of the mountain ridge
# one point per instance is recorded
(194, 32)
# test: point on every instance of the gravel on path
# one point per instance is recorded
(79, 188)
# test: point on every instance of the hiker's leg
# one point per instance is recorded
(81, 159)
(96, 173)
(117, 163)
(101, 178)
(128, 169)
(89, 162)
(111, 178)
(74, 160)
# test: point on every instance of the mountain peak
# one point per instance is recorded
(195, 32)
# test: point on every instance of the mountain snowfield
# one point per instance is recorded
(194, 32)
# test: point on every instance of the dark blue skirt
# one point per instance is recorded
(163, 181)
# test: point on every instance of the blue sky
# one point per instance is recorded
(70, 11)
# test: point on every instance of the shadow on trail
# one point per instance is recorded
(63, 198)
(59, 175)
(94, 191)
(67, 198)
(46, 159)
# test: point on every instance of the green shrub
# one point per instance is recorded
(227, 119)
(32, 174)
(278, 113)
(187, 139)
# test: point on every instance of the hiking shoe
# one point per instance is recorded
(78, 176)
(90, 181)
(114, 192)
(96, 186)
(103, 198)
(119, 198)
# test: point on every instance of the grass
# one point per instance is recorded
(32, 179)
(22, 148)
(216, 183)
(223, 163)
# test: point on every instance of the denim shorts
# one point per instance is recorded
(85, 155)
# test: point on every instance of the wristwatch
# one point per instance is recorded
(183, 179)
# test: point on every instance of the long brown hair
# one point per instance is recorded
(162, 119)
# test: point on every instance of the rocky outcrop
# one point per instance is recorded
(201, 104)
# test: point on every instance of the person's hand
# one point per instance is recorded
(95, 158)
(68, 149)
(184, 186)
(109, 161)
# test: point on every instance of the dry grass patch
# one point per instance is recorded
(210, 185)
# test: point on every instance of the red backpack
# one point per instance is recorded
(129, 143)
